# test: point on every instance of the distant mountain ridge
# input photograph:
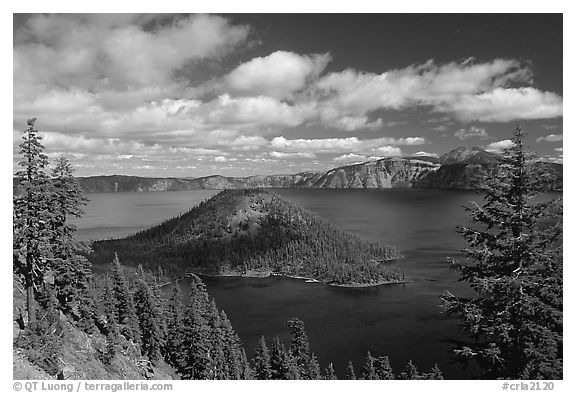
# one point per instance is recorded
(462, 168)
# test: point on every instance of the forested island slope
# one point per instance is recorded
(255, 232)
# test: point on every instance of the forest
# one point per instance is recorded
(238, 231)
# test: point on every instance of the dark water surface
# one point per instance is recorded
(401, 321)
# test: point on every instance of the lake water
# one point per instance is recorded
(401, 321)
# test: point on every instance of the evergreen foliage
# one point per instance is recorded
(148, 314)
(329, 373)
(125, 310)
(410, 371)
(32, 217)
(350, 373)
(383, 368)
(514, 263)
(41, 340)
(369, 371)
(261, 361)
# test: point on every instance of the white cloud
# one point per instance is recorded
(506, 104)
(277, 75)
(500, 146)
(350, 123)
(440, 128)
(114, 52)
(559, 149)
(349, 157)
(351, 144)
(278, 154)
(388, 151)
(471, 132)
(467, 91)
(550, 138)
(424, 154)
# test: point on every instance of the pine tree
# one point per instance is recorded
(383, 368)
(282, 363)
(149, 321)
(350, 373)
(196, 333)
(32, 217)
(514, 263)
(126, 311)
(410, 371)
(174, 349)
(329, 373)
(435, 373)
(262, 369)
(313, 372)
(369, 371)
(72, 271)
(299, 347)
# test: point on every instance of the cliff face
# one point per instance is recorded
(462, 168)
(387, 173)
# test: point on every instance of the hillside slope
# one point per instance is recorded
(81, 353)
(254, 232)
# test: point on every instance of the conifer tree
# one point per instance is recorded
(299, 347)
(72, 271)
(235, 359)
(262, 369)
(124, 302)
(383, 368)
(219, 366)
(369, 371)
(196, 333)
(32, 217)
(329, 373)
(292, 368)
(514, 263)
(435, 373)
(313, 372)
(149, 321)
(410, 371)
(282, 363)
(174, 349)
(350, 373)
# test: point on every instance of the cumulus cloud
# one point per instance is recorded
(467, 91)
(278, 154)
(550, 138)
(424, 154)
(116, 52)
(350, 144)
(506, 104)
(471, 132)
(349, 157)
(500, 146)
(277, 75)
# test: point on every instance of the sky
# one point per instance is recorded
(245, 94)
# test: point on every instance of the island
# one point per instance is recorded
(255, 233)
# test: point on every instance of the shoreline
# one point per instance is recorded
(266, 274)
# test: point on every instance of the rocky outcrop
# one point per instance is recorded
(386, 173)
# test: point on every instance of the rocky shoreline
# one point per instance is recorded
(268, 273)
